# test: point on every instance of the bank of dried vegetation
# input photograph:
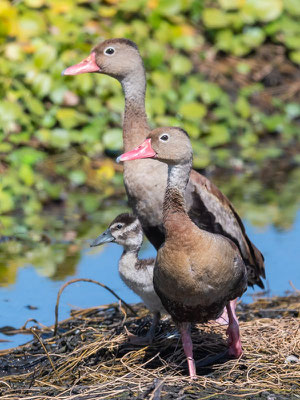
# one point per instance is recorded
(91, 358)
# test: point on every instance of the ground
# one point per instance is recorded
(90, 358)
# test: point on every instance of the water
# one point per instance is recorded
(280, 248)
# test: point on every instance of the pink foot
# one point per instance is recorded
(188, 348)
(233, 331)
(223, 319)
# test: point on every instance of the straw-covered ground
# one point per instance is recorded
(90, 357)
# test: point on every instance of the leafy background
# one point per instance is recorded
(227, 71)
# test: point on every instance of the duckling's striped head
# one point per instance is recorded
(125, 230)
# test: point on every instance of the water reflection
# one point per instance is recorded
(59, 249)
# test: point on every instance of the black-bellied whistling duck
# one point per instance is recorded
(197, 273)
(137, 274)
(146, 180)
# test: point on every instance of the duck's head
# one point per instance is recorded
(114, 57)
(125, 230)
(170, 145)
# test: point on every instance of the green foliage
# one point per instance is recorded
(210, 65)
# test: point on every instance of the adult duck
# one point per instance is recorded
(197, 273)
(136, 273)
(146, 180)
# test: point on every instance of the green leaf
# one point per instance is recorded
(215, 18)
(202, 155)
(94, 105)
(227, 41)
(169, 7)
(247, 139)
(295, 56)
(69, 118)
(35, 106)
(116, 103)
(162, 80)
(112, 139)
(263, 10)
(58, 138)
(48, 121)
(181, 65)
(5, 147)
(42, 84)
(218, 135)
(9, 111)
(31, 24)
(77, 177)
(293, 110)
(242, 107)
(275, 122)
(6, 201)
(253, 37)
(243, 68)
(229, 4)
(156, 105)
(57, 94)
(45, 57)
(27, 156)
(192, 111)
(209, 92)
(292, 6)
(26, 174)
(155, 54)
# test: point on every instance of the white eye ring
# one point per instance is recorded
(109, 51)
(117, 225)
(164, 137)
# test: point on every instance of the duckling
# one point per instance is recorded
(197, 273)
(137, 274)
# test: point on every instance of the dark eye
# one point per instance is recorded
(109, 51)
(164, 137)
(119, 226)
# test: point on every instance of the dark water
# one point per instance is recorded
(280, 248)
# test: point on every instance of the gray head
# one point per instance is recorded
(170, 145)
(125, 230)
(118, 58)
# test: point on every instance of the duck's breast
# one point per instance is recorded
(145, 182)
(196, 278)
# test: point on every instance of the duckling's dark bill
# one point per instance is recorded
(105, 237)
(144, 150)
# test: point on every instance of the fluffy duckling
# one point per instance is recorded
(137, 274)
(197, 273)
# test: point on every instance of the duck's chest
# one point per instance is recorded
(185, 293)
(145, 182)
(193, 281)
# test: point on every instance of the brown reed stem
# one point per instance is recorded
(85, 280)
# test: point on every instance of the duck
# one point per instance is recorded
(146, 179)
(137, 274)
(197, 273)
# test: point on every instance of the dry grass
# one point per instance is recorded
(91, 358)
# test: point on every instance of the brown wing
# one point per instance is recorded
(210, 209)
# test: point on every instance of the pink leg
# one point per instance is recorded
(233, 332)
(188, 347)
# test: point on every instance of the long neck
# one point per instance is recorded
(174, 203)
(135, 125)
